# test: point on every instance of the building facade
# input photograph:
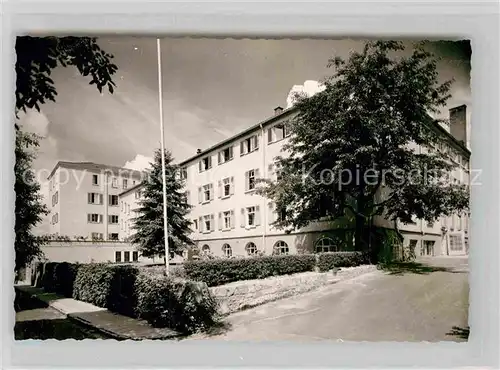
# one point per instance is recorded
(129, 203)
(230, 219)
(84, 199)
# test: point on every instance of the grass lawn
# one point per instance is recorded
(59, 329)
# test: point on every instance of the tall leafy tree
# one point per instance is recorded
(349, 155)
(36, 58)
(148, 225)
(29, 205)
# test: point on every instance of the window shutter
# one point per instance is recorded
(220, 189)
(231, 222)
(89, 197)
(246, 180)
(220, 220)
(242, 148)
(270, 170)
(271, 213)
(230, 152)
(100, 219)
(257, 174)
(200, 224)
(270, 135)
(200, 199)
(212, 221)
(211, 191)
(256, 140)
(89, 217)
(101, 199)
(231, 187)
(210, 162)
(242, 221)
(257, 216)
(219, 157)
(200, 166)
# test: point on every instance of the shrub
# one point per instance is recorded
(330, 260)
(64, 278)
(182, 305)
(223, 271)
(108, 286)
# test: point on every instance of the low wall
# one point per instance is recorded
(250, 293)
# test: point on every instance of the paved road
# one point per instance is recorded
(418, 305)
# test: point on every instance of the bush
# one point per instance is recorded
(223, 271)
(328, 261)
(182, 305)
(64, 278)
(108, 286)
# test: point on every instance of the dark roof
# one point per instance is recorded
(461, 145)
(95, 167)
(135, 187)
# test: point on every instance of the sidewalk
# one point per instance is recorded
(114, 325)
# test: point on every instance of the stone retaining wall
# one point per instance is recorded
(250, 293)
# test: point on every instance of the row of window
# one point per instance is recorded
(250, 217)
(248, 145)
(100, 236)
(95, 218)
(125, 207)
(98, 199)
(458, 222)
(114, 182)
(126, 256)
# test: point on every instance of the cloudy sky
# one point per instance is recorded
(213, 88)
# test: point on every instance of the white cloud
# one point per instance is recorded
(140, 163)
(310, 87)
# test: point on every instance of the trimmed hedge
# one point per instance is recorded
(223, 271)
(329, 260)
(57, 277)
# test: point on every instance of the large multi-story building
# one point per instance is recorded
(84, 199)
(230, 219)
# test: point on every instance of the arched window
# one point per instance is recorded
(251, 249)
(281, 248)
(326, 245)
(226, 249)
(205, 249)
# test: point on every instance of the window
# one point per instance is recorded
(250, 216)
(135, 256)
(250, 179)
(195, 225)
(281, 248)
(113, 236)
(326, 245)
(126, 256)
(226, 220)
(114, 182)
(226, 187)
(249, 145)
(205, 193)
(251, 249)
(226, 249)
(412, 246)
(128, 209)
(95, 180)
(137, 194)
(55, 218)
(188, 197)
(113, 200)
(205, 164)
(430, 224)
(225, 155)
(205, 249)
(183, 173)
(276, 133)
(55, 198)
(125, 183)
(118, 256)
(113, 219)
(95, 198)
(96, 236)
(427, 248)
(121, 207)
(208, 223)
(94, 218)
(281, 214)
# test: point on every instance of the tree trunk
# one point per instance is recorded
(360, 225)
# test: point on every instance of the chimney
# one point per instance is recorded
(278, 110)
(458, 123)
(198, 151)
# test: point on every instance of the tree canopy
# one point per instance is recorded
(148, 225)
(354, 149)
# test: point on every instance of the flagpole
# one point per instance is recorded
(162, 137)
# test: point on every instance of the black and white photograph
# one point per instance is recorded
(242, 189)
